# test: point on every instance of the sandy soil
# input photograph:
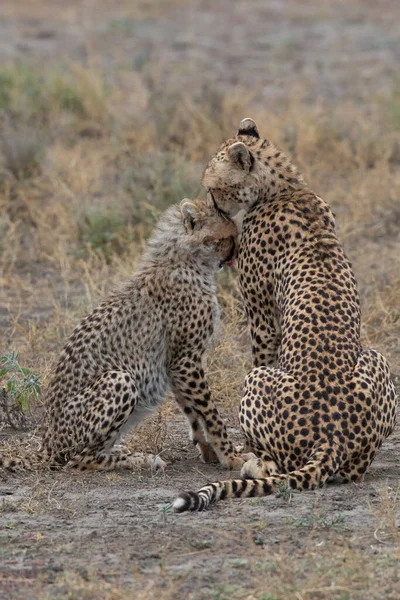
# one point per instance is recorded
(113, 528)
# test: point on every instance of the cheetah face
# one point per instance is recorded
(232, 174)
(210, 231)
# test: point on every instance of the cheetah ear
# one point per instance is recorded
(248, 127)
(188, 212)
(241, 156)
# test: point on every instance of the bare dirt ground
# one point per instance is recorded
(68, 536)
(110, 536)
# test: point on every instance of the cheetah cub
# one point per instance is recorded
(145, 340)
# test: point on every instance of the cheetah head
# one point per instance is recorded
(209, 231)
(247, 168)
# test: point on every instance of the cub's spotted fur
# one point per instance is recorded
(316, 404)
(145, 340)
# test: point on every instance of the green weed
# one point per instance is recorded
(321, 521)
(21, 386)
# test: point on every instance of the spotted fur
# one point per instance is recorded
(316, 403)
(146, 339)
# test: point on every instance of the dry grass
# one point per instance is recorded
(326, 571)
(83, 182)
(74, 215)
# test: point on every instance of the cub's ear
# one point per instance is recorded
(241, 156)
(188, 212)
(248, 127)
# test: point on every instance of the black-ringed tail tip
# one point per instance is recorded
(220, 490)
(186, 502)
(191, 501)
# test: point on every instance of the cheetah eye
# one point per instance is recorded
(221, 213)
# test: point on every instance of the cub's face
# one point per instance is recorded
(209, 230)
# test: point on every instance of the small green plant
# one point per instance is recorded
(237, 563)
(68, 97)
(202, 544)
(22, 148)
(30, 96)
(21, 385)
(6, 84)
(322, 521)
(284, 490)
(6, 506)
(225, 592)
(23, 91)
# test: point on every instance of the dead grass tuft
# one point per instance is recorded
(78, 202)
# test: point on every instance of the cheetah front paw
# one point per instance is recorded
(207, 453)
(252, 469)
(248, 456)
(243, 449)
(232, 462)
(245, 452)
(120, 450)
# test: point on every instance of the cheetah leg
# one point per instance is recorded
(115, 461)
(264, 349)
(120, 449)
(355, 473)
(188, 380)
(265, 336)
(373, 417)
(95, 420)
(196, 432)
(258, 420)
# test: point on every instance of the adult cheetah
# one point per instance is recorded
(148, 338)
(316, 404)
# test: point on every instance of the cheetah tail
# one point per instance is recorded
(23, 464)
(318, 468)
